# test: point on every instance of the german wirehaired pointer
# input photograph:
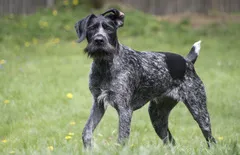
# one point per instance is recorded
(127, 79)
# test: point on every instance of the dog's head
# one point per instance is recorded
(101, 32)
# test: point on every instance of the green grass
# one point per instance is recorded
(44, 64)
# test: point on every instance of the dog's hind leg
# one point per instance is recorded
(96, 115)
(159, 110)
(195, 100)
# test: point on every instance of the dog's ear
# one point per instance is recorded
(81, 27)
(115, 15)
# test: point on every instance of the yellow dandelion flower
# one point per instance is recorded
(6, 101)
(50, 148)
(2, 61)
(73, 43)
(71, 134)
(67, 27)
(12, 152)
(27, 44)
(68, 137)
(54, 12)
(66, 2)
(220, 138)
(56, 40)
(4, 141)
(34, 41)
(75, 2)
(72, 123)
(43, 24)
(69, 95)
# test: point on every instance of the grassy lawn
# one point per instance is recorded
(41, 66)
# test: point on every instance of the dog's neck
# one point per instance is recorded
(108, 60)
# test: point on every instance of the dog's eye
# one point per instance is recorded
(108, 28)
(91, 27)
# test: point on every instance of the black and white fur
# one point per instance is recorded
(127, 79)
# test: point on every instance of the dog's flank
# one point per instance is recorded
(127, 79)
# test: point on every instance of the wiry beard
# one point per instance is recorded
(100, 52)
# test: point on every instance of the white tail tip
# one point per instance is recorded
(197, 46)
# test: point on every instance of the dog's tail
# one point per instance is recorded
(194, 52)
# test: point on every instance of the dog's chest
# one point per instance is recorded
(100, 77)
(99, 81)
(100, 87)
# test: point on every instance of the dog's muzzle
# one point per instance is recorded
(99, 40)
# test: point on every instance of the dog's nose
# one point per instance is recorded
(99, 40)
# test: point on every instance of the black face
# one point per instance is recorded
(102, 37)
(101, 33)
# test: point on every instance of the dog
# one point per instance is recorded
(127, 79)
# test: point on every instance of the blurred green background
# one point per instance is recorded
(44, 96)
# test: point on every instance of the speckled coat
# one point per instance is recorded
(127, 79)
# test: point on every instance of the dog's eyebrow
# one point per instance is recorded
(93, 25)
(107, 24)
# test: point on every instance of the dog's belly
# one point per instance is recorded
(144, 95)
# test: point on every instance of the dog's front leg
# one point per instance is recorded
(96, 115)
(125, 116)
